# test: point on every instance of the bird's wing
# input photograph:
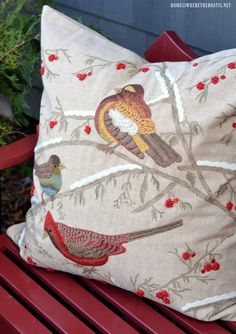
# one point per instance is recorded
(49, 183)
(44, 170)
(89, 244)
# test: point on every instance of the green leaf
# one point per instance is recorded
(143, 189)
(227, 138)
(185, 206)
(155, 182)
(99, 191)
(173, 140)
(222, 189)
(190, 177)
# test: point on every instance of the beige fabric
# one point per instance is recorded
(116, 192)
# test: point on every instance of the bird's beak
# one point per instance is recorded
(118, 90)
(45, 235)
(61, 166)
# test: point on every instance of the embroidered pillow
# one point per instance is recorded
(135, 171)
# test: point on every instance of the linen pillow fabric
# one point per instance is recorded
(135, 171)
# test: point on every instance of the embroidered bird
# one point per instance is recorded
(126, 119)
(49, 174)
(89, 248)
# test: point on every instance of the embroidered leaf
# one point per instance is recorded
(99, 191)
(143, 189)
(227, 138)
(155, 182)
(195, 128)
(89, 61)
(222, 189)
(81, 198)
(185, 205)
(173, 140)
(155, 213)
(190, 178)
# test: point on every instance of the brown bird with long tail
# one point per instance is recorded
(126, 119)
(89, 248)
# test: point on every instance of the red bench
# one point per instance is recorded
(34, 300)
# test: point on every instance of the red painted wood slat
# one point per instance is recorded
(56, 314)
(193, 325)
(16, 318)
(137, 310)
(78, 297)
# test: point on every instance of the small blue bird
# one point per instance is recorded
(49, 174)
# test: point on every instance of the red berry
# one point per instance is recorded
(229, 206)
(164, 293)
(89, 74)
(52, 124)
(215, 80)
(223, 77)
(203, 271)
(87, 129)
(159, 294)
(195, 64)
(56, 57)
(176, 200)
(215, 266)
(213, 260)
(140, 293)
(193, 254)
(51, 57)
(166, 300)
(207, 267)
(42, 70)
(186, 256)
(32, 190)
(81, 76)
(144, 69)
(120, 66)
(231, 66)
(200, 86)
(30, 260)
(169, 203)
(234, 125)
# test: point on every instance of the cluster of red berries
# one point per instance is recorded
(229, 206)
(82, 76)
(214, 80)
(213, 265)
(32, 189)
(164, 295)
(52, 124)
(31, 261)
(140, 293)
(120, 66)
(187, 255)
(87, 129)
(52, 57)
(144, 69)
(169, 203)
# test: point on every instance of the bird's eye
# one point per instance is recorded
(55, 166)
(49, 230)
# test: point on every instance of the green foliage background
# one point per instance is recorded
(19, 57)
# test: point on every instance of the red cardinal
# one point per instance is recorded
(126, 119)
(89, 248)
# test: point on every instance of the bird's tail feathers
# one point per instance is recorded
(161, 152)
(155, 230)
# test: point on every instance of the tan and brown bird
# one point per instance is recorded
(126, 119)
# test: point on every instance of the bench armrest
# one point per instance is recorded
(169, 47)
(18, 151)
